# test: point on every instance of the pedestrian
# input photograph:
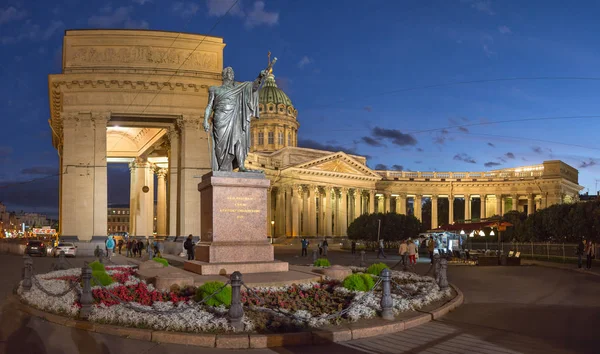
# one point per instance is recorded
(305, 244)
(110, 247)
(590, 253)
(134, 248)
(320, 248)
(140, 247)
(189, 247)
(403, 251)
(353, 247)
(325, 247)
(120, 245)
(412, 252)
(156, 249)
(579, 253)
(431, 247)
(381, 253)
(128, 247)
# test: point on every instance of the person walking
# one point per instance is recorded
(110, 247)
(431, 248)
(305, 244)
(325, 247)
(189, 247)
(580, 251)
(403, 252)
(120, 245)
(353, 247)
(412, 252)
(128, 247)
(381, 253)
(590, 253)
(140, 247)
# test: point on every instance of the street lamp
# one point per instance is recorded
(272, 230)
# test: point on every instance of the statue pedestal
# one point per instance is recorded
(234, 226)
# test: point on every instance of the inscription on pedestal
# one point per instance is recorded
(240, 207)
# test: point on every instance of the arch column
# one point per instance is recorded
(434, 211)
(173, 182)
(143, 200)
(161, 202)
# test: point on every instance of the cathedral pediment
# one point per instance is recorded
(339, 164)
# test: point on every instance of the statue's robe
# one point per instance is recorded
(233, 109)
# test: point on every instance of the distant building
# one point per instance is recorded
(588, 198)
(119, 220)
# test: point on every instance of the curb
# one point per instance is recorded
(250, 341)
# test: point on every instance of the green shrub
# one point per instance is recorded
(355, 282)
(161, 261)
(97, 266)
(102, 277)
(322, 262)
(369, 281)
(376, 268)
(222, 298)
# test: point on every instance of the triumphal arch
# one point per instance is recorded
(136, 97)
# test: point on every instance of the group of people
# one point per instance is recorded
(409, 252)
(586, 248)
(323, 247)
(134, 247)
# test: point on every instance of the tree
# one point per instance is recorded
(393, 227)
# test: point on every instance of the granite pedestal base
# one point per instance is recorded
(205, 268)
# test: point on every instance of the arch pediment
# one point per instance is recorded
(338, 164)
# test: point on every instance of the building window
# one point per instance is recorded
(280, 138)
(271, 138)
(289, 139)
(261, 138)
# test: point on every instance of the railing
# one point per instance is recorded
(561, 252)
(530, 172)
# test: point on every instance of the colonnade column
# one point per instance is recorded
(434, 211)
(515, 202)
(371, 201)
(133, 204)
(357, 200)
(280, 212)
(328, 213)
(343, 212)
(288, 211)
(143, 198)
(380, 204)
(173, 182)
(401, 204)
(530, 204)
(387, 197)
(161, 202)
(418, 207)
(296, 200)
(499, 204)
(305, 210)
(450, 209)
(467, 206)
(482, 212)
(312, 210)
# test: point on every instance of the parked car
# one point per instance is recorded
(69, 248)
(36, 247)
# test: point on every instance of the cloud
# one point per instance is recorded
(27, 193)
(492, 145)
(121, 17)
(370, 141)
(587, 164)
(418, 161)
(464, 157)
(311, 144)
(396, 136)
(492, 164)
(304, 61)
(510, 155)
(185, 9)
(220, 7)
(419, 149)
(11, 13)
(488, 51)
(537, 149)
(141, 2)
(481, 5)
(40, 170)
(5, 151)
(381, 166)
(463, 129)
(34, 32)
(258, 16)
(397, 167)
(504, 30)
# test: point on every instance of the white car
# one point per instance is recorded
(69, 248)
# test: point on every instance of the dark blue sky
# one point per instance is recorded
(359, 73)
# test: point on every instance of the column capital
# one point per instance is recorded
(357, 192)
(160, 172)
(434, 196)
(100, 117)
(402, 195)
(372, 192)
(188, 121)
(343, 189)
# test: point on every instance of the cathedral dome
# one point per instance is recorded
(272, 99)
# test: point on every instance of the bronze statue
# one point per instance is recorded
(232, 105)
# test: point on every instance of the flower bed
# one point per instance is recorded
(131, 302)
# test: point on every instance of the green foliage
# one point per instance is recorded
(376, 268)
(322, 262)
(393, 227)
(102, 277)
(97, 266)
(221, 298)
(359, 282)
(162, 261)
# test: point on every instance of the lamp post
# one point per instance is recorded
(272, 230)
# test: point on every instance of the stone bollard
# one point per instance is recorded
(62, 264)
(315, 255)
(27, 272)
(436, 268)
(86, 299)
(387, 303)
(362, 258)
(236, 312)
(443, 273)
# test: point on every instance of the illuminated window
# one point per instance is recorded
(280, 138)
(271, 138)
(261, 138)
